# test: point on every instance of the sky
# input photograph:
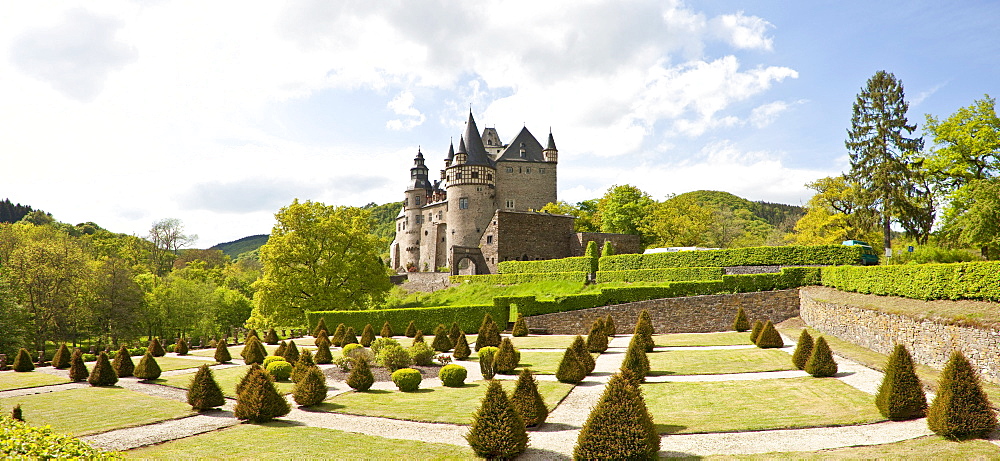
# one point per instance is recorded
(220, 113)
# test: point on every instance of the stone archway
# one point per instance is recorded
(473, 259)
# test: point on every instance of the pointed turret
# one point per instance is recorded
(451, 154)
(418, 174)
(476, 151)
(551, 154)
(461, 154)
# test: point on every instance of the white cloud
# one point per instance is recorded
(402, 104)
(765, 114)
(746, 32)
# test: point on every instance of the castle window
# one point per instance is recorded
(527, 170)
(510, 204)
(420, 219)
(541, 171)
(416, 200)
(458, 175)
(489, 239)
(510, 169)
(489, 176)
(475, 175)
(463, 203)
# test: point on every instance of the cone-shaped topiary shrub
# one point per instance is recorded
(280, 351)
(769, 337)
(361, 377)
(454, 332)
(123, 364)
(570, 369)
(961, 409)
(311, 388)
(253, 333)
(246, 378)
(77, 369)
(61, 358)
(407, 379)
(520, 326)
(411, 329)
(386, 330)
(740, 322)
(506, 358)
(16, 413)
(253, 351)
(821, 363)
(103, 374)
(271, 337)
(181, 348)
(486, 357)
(418, 338)
(644, 330)
(147, 368)
(803, 349)
(489, 333)
(222, 352)
(319, 337)
(607, 249)
(497, 431)
(462, 350)
(620, 426)
(304, 363)
(350, 337)
(291, 352)
(635, 361)
(368, 335)
(758, 326)
(591, 251)
(580, 347)
(338, 335)
(320, 326)
(205, 393)
(441, 341)
(23, 362)
(453, 375)
(597, 339)
(323, 355)
(155, 348)
(527, 401)
(900, 396)
(258, 400)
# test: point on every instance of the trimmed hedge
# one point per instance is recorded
(975, 280)
(21, 441)
(513, 279)
(572, 264)
(833, 255)
(424, 318)
(669, 274)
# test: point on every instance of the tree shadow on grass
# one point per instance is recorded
(554, 427)
(669, 428)
(325, 407)
(279, 423)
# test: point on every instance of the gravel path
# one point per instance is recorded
(42, 389)
(150, 434)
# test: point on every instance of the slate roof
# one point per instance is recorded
(532, 149)
(474, 145)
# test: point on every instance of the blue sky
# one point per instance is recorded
(219, 113)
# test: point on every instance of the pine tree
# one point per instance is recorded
(222, 353)
(520, 326)
(635, 362)
(769, 337)
(350, 337)
(22, 362)
(271, 337)
(77, 369)
(506, 358)
(103, 374)
(597, 340)
(123, 364)
(620, 426)
(156, 348)
(320, 326)
(489, 333)
(740, 322)
(204, 393)
(821, 363)
(253, 351)
(580, 347)
(386, 330)
(441, 343)
(291, 352)
(323, 355)
(900, 396)
(61, 358)
(368, 335)
(497, 431)
(454, 332)
(570, 369)
(961, 409)
(147, 369)
(181, 348)
(361, 377)
(311, 388)
(462, 350)
(338, 335)
(803, 350)
(259, 401)
(755, 332)
(411, 329)
(527, 401)
(609, 325)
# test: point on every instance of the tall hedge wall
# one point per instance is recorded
(574, 264)
(424, 318)
(511, 279)
(667, 274)
(833, 255)
(976, 280)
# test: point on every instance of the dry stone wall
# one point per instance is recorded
(694, 314)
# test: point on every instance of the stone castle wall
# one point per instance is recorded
(622, 243)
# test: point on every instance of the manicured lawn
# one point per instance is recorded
(278, 440)
(932, 447)
(544, 341)
(15, 380)
(724, 338)
(95, 409)
(709, 362)
(436, 404)
(170, 363)
(226, 377)
(543, 363)
(756, 405)
(236, 350)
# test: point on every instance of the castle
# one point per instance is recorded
(483, 209)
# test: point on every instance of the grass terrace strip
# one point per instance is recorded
(227, 378)
(15, 380)
(724, 338)
(713, 362)
(513, 279)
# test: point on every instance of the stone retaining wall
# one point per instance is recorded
(693, 314)
(426, 281)
(930, 341)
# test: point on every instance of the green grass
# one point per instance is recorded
(544, 341)
(14, 380)
(92, 410)
(932, 447)
(541, 363)
(960, 311)
(280, 440)
(725, 338)
(710, 362)
(756, 405)
(169, 363)
(436, 404)
(226, 377)
(235, 350)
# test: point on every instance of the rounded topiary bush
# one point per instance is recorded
(62, 357)
(386, 331)
(597, 339)
(453, 375)
(205, 393)
(257, 399)
(570, 369)
(422, 354)
(507, 358)
(393, 357)
(103, 373)
(520, 326)
(821, 363)
(379, 343)
(271, 359)
(155, 348)
(803, 350)
(411, 329)
(961, 409)
(619, 426)
(741, 322)
(348, 349)
(368, 335)
(462, 350)
(147, 368)
(497, 431)
(900, 396)
(222, 353)
(22, 362)
(122, 363)
(407, 379)
(755, 331)
(769, 337)
(361, 377)
(77, 369)
(486, 359)
(527, 401)
(311, 388)
(280, 370)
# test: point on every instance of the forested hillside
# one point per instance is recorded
(243, 245)
(10, 212)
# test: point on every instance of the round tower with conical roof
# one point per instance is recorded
(407, 248)
(471, 188)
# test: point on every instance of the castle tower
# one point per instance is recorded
(471, 189)
(406, 250)
(551, 154)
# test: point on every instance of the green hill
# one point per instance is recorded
(243, 245)
(774, 214)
